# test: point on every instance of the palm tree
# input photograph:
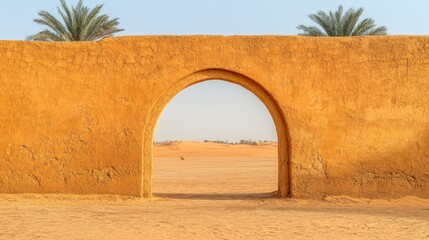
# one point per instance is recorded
(80, 24)
(339, 24)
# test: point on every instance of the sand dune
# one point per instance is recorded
(216, 192)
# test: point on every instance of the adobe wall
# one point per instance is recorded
(73, 115)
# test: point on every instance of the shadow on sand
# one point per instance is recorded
(218, 196)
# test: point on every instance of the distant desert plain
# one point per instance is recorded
(206, 190)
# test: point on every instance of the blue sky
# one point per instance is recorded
(225, 17)
(237, 114)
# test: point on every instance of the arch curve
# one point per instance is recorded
(283, 138)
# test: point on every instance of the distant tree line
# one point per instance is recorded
(248, 142)
(218, 141)
(165, 141)
(242, 141)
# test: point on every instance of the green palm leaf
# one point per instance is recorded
(341, 24)
(79, 23)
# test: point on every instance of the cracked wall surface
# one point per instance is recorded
(72, 115)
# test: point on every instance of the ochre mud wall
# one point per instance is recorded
(352, 114)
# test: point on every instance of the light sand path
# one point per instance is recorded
(35, 217)
(216, 197)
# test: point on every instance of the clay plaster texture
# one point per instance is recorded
(352, 114)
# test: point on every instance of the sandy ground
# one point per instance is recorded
(215, 192)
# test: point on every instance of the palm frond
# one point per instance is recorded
(378, 31)
(51, 21)
(310, 31)
(339, 23)
(322, 19)
(90, 19)
(79, 23)
(365, 25)
(45, 35)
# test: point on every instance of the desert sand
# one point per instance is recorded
(211, 191)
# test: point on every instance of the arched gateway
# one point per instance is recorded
(229, 76)
(351, 114)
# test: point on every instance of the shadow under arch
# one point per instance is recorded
(283, 137)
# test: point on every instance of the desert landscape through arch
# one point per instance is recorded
(235, 78)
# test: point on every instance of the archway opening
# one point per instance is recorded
(215, 139)
(283, 169)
